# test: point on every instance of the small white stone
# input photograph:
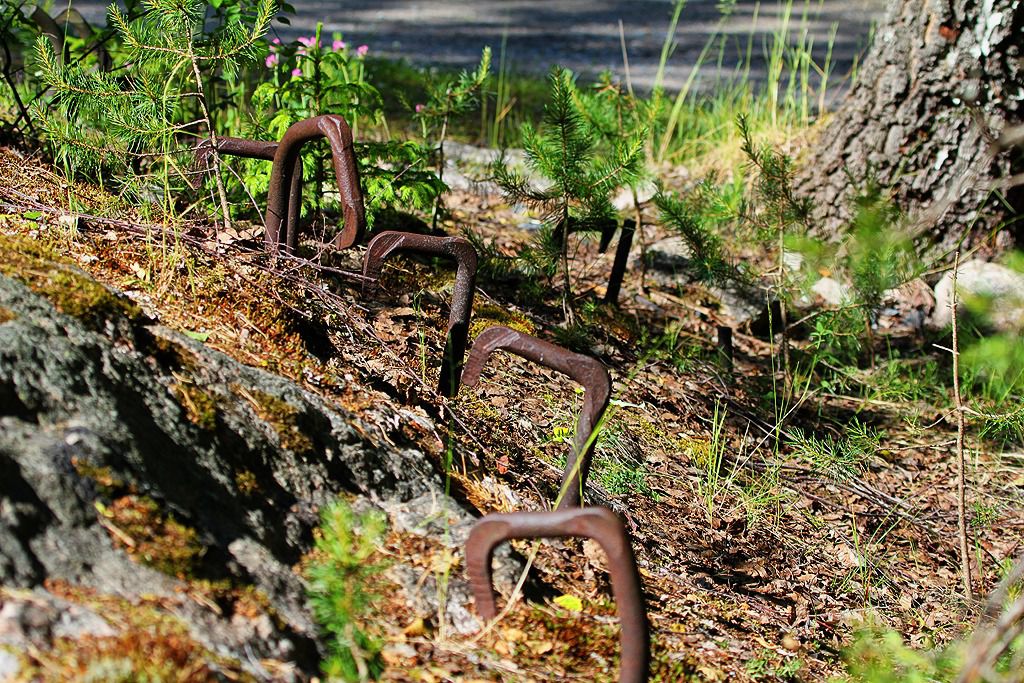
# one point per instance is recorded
(1003, 285)
(832, 292)
(9, 666)
(792, 260)
(623, 201)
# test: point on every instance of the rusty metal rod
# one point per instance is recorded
(611, 295)
(586, 370)
(597, 523)
(607, 229)
(461, 250)
(265, 150)
(289, 204)
(339, 135)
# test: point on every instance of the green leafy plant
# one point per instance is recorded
(714, 481)
(991, 355)
(311, 78)
(563, 151)
(878, 656)
(16, 36)
(620, 119)
(337, 590)
(875, 255)
(840, 459)
(618, 463)
(708, 262)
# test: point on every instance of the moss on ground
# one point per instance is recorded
(485, 315)
(71, 292)
(488, 315)
(102, 476)
(246, 483)
(200, 405)
(282, 416)
(151, 645)
(152, 536)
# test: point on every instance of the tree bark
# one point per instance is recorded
(942, 81)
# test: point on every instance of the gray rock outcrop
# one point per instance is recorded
(241, 457)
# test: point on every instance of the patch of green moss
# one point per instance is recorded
(482, 409)
(151, 645)
(106, 481)
(152, 536)
(283, 417)
(246, 483)
(200, 405)
(6, 315)
(488, 315)
(653, 435)
(72, 293)
(84, 298)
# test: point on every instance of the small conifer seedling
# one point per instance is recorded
(563, 151)
(159, 95)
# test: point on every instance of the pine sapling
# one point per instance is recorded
(579, 181)
(780, 212)
(95, 116)
(447, 99)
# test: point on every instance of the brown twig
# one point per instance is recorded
(961, 477)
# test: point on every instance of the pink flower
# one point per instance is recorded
(310, 41)
(271, 60)
(276, 41)
(420, 107)
(338, 45)
(362, 50)
(296, 72)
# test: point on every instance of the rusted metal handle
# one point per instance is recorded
(461, 250)
(597, 523)
(608, 228)
(265, 150)
(584, 369)
(339, 135)
(611, 295)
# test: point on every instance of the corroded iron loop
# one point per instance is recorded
(586, 370)
(607, 227)
(339, 135)
(236, 147)
(461, 250)
(597, 523)
(265, 150)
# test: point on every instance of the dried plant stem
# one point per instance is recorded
(1000, 625)
(961, 475)
(222, 194)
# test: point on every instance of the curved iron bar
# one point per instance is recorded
(608, 229)
(597, 523)
(584, 369)
(339, 135)
(265, 150)
(461, 250)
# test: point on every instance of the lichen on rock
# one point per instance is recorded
(136, 461)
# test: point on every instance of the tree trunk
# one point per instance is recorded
(942, 81)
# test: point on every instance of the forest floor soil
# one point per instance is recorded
(755, 564)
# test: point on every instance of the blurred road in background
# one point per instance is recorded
(584, 35)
